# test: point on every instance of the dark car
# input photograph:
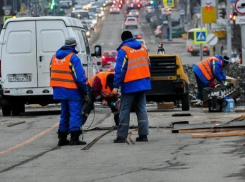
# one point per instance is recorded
(177, 32)
(148, 16)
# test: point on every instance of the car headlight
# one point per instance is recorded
(102, 13)
(94, 21)
(88, 33)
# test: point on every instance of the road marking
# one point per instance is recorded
(30, 139)
(122, 27)
(152, 39)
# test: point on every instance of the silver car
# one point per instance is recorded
(131, 22)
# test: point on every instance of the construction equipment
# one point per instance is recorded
(214, 97)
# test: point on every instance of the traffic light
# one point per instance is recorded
(52, 4)
(222, 13)
(234, 16)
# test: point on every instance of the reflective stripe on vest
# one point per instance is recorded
(205, 67)
(105, 92)
(61, 74)
(137, 64)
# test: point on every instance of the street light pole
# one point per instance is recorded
(228, 28)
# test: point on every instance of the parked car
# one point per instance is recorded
(134, 13)
(115, 10)
(108, 57)
(177, 32)
(131, 22)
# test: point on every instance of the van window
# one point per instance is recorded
(191, 35)
(52, 40)
(81, 42)
(19, 42)
(86, 42)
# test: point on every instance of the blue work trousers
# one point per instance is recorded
(71, 115)
(127, 100)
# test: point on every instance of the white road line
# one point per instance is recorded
(122, 28)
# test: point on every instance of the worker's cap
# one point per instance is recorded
(71, 41)
(226, 59)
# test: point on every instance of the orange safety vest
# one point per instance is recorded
(61, 74)
(205, 67)
(138, 64)
(105, 92)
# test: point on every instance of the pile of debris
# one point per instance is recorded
(234, 70)
(234, 127)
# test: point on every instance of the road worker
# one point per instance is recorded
(132, 74)
(69, 86)
(100, 89)
(207, 70)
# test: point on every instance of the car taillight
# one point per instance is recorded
(110, 9)
(117, 9)
(125, 12)
(103, 57)
(138, 5)
(138, 36)
(159, 31)
(135, 21)
(127, 21)
(132, 5)
(190, 48)
(239, 60)
(205, 48)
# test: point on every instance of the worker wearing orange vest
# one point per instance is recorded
(132, 75)
(100, 89)
(68, 79)
(209, 69)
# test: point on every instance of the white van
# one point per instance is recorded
(26, 48)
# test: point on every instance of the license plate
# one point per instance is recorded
(109, 62)
(19, 78)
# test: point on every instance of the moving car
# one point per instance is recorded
(87, 29)
(134, 13)
(114, 10)
(158, 31)
(108, 57)
(80, 14)
(136, 34)
(131, 22)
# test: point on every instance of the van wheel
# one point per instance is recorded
(6, 107)
(185, 102)
(17, 108)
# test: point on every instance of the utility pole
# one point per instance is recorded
(228, 28)
(188, 13)
(5, 2)
(201, 46)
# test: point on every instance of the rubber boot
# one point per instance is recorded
(119, 140)
(142, 138)
(75, 138)
(62, 138)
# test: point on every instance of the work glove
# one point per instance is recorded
(104, 102)
(115, 91)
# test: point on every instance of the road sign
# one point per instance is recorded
(212, 39)
(168, 3)
(5, 18)
(7, 12)
(240, 20)
(200, 36)
(240, 6)
(182, 12)
(209, 11)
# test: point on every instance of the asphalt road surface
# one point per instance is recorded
(29, 152)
